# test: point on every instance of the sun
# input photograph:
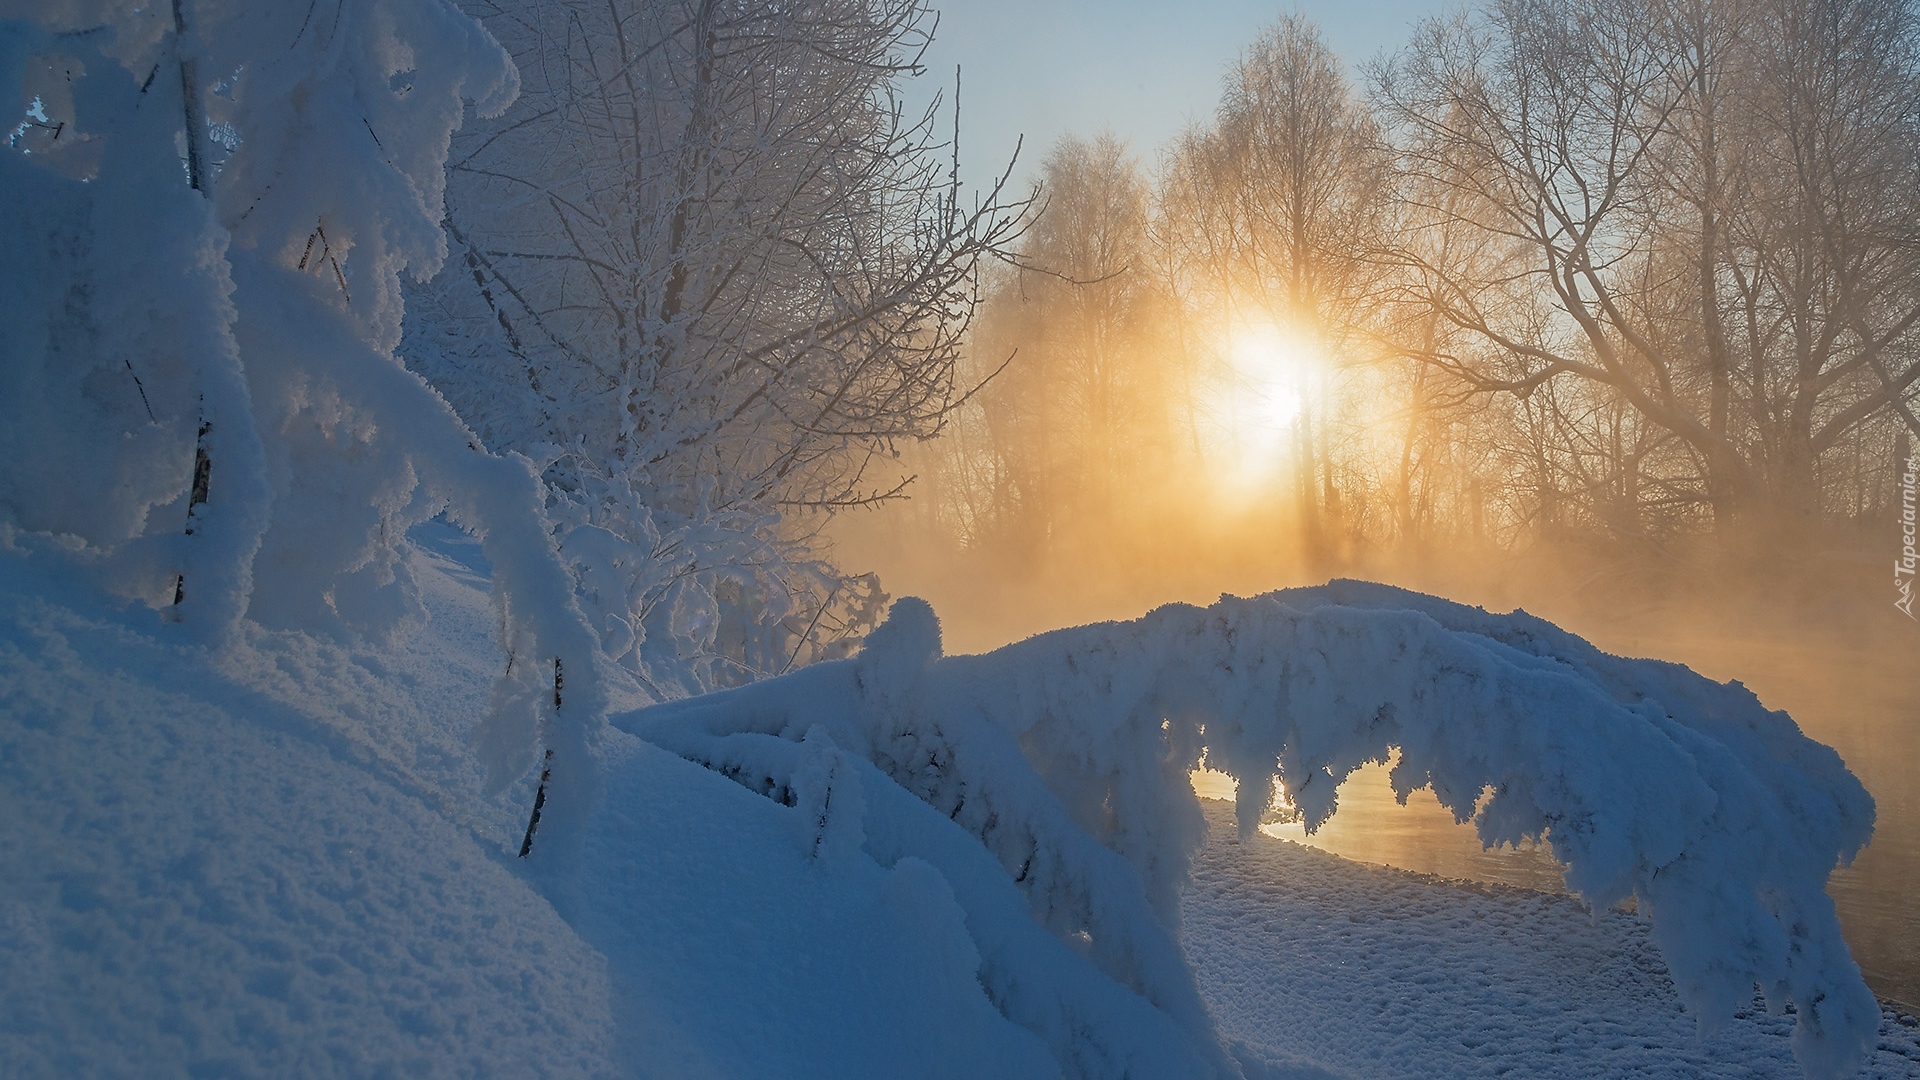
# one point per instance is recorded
(1271, 369)
(1265, 384)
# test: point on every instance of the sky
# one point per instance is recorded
(1143, 68)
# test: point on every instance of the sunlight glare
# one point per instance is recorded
(1268, 379)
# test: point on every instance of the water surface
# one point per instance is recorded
(1863, 702)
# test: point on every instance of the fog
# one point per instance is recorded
(1383, 328)
(699, 334)
(1840, 660)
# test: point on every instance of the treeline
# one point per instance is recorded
(1637, 277)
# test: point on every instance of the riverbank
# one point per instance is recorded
(275, 860)
(1311, 960)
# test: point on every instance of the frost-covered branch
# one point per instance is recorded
(270, 317)
(713, 270)
(1066, 757)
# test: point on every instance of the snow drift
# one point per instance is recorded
(1067, 758)
(276, 858)
(248, 838)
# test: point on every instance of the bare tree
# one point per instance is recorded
(1076, 416)
(1274, 208)
(1829, 249)
(1696, 208)
(720, 276)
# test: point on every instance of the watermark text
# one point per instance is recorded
(1903, 567)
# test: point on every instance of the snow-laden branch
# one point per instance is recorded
(201, 398)
(1067, 758)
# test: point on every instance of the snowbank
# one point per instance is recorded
(1390, 975)
(276, 861)
(268, 861)
(1067, 757)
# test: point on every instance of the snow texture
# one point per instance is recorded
(1067, 757)
(268, 861)
(1349, 970)
(253, 321)
(275, 860)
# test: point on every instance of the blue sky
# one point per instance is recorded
(1145, 69)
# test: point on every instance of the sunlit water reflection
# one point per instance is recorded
(1421, 836)
(1864, 705)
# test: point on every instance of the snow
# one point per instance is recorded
(737, 953)
(267, 861)
(255, 319)
(117, 293)
(274, 829)
(1368, 972)
(1719, 817)
(276, 859)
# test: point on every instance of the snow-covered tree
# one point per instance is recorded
(213, 204)
(119, 341)
(709, 274)
(1065, 758)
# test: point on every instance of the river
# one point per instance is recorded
(1864, 703)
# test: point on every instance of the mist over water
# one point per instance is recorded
(1864, 702)
(1382, 329)
(1861, 703)
(1847, 671)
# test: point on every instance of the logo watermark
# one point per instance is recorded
(1904, 566)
